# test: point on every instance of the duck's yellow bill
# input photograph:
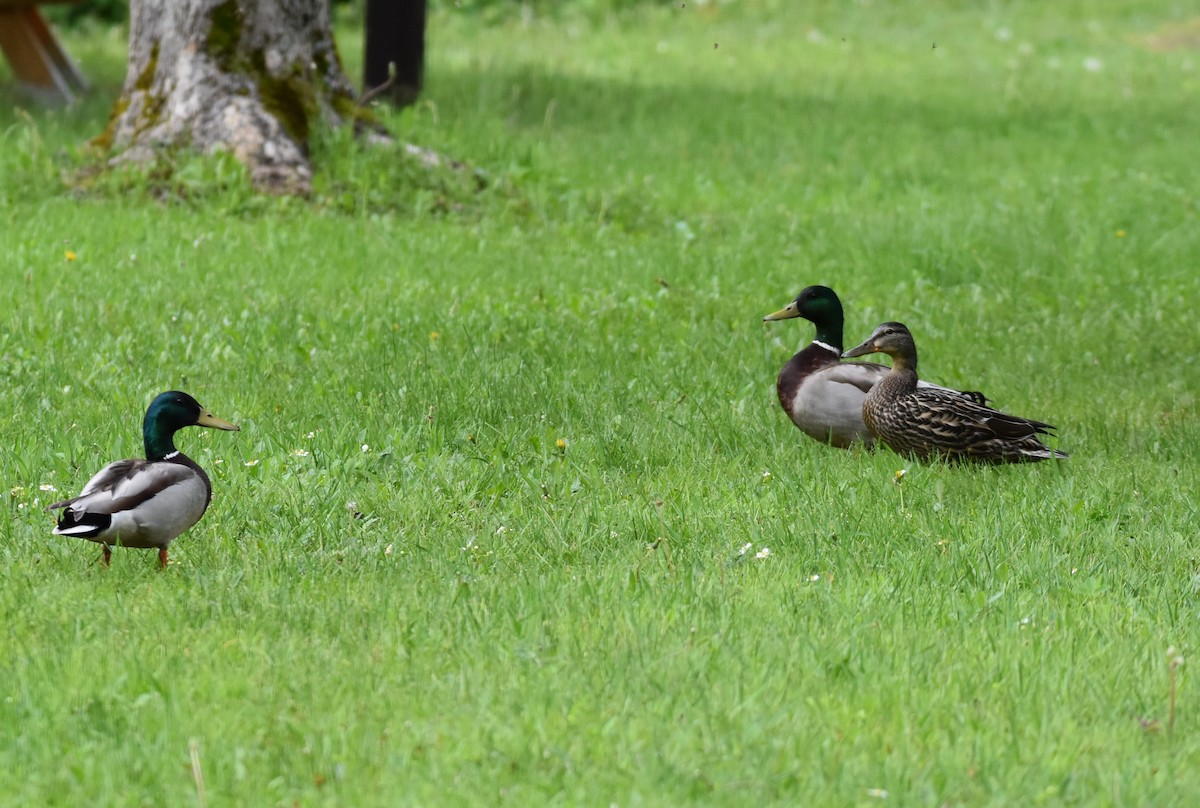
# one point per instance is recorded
(786, 313)
(208, 419)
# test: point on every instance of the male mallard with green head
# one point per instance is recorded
(822, 394)
(930, 423)
(146, 503)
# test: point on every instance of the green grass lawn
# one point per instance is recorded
(407, 591)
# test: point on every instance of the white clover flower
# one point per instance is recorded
(46, 487)
(763, 553)
(366, 447)
(747, 547)
(250, 463)
(814, 577)
(299, 453)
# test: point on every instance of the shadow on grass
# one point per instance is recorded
(548, 144)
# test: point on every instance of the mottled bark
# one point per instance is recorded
(250, 76)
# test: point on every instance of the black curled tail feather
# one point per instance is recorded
(84, 525)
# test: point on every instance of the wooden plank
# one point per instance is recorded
(62, 63)
(37, 60)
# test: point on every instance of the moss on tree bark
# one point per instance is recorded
(254, 78)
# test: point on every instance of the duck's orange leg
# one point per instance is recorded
(106, 554)
(162, 558)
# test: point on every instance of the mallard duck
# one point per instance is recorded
(822, 394)
(931, 423)
(145, 503)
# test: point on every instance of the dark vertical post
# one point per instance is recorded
(395, 33)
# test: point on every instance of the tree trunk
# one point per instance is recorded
(395, 35)
(250, 76)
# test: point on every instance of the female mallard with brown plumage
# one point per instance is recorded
(820, 393)
(145, 503)
(929, 423)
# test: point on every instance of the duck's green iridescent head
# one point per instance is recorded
(169, 413)
(821, 307)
